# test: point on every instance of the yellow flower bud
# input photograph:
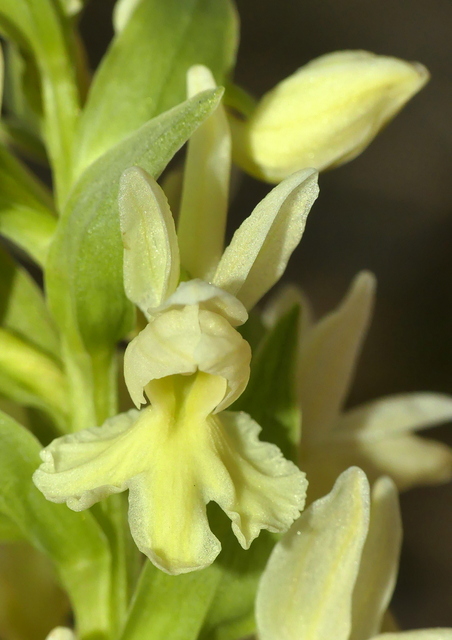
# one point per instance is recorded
(324, 114)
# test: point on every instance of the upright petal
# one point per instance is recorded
(260, 249)
(151, 254)
(306, 589)
(328, 358)
(379, 562)
(202, 219)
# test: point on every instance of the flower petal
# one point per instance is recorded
(260, 249)
(208, 297)
(182, 341)
(379, 562)
(306, 589)
(325, 113)
(254, 485)
(409, 460)
(151, 254)
(202, 219)
(395, 415)
(328, 357)
(84, 467)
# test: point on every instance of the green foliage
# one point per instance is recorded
(26, 215)
(74, 542)
(84, 274)
(170, 607)
(143, 72)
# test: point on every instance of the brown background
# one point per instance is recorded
(389, 211)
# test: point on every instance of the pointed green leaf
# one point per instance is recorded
(85, 278)
(22, 307)
(26, 215)
(143, 73)
(73, 541)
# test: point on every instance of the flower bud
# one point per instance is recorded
(324, 114)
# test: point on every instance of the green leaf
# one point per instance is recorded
(73, 541)
(270, 397)
(85, 280)
(170, 607)
(40, 26)
(143, 73)
(26, 215)
(231, 612)
(22, 307)
(31, 378)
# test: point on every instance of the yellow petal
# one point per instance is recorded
(85, 467)
(203, 211)
(306, 589)
(182, 341)
(379, 562)
(254, 484)
(328, 358)
(325, 114)
(151, 254)
(175, 457)
(260, 249)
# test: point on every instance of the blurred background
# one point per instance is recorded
(389, 211)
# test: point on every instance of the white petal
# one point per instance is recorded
(260, 249)
(151, 254)
(409, 460)
(395, 415)
(325, 113)
(208, 297)
(203, 211)
(328, 357)
(182, 341)
(306, 589)
(379, 562)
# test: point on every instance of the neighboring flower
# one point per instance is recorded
(377, 436)
(332, 575)
(61, 633)
(180, 452)
(325, 114)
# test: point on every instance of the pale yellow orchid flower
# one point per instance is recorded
(183, 450)
(377, 436)
(332, 575)
(325, 114)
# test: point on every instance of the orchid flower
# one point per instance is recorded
(332, 575)
(183, 450)
(377, 436)
(325, 114)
